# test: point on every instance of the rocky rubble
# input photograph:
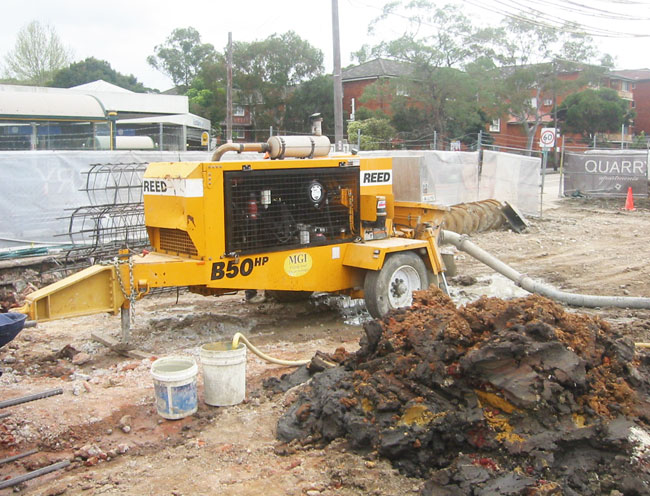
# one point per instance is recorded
(497, 397)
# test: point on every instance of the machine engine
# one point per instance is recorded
(280, 209)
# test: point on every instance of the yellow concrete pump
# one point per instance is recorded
(298, 221)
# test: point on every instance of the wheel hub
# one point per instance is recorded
(402, 284)
(398, 288)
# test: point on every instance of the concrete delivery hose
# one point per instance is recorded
(464, 244)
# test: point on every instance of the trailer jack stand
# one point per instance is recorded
(123, 346)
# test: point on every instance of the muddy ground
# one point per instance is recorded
(105, 421)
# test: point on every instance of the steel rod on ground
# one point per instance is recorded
(35, 473)
(18, 456)
(30, 397)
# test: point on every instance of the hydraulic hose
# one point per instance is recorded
(289, 363)
(591, 301)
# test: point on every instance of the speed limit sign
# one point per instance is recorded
(547, 137)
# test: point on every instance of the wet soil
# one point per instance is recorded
(492, 398)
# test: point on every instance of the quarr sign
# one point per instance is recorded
(606, 174)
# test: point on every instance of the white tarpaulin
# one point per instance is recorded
(38, 189)
(511, 178)
(443, 178)
(454, 176)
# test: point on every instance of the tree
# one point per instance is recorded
(207, 94)
(92, 69)
(438, 96)
(266, 72)
(531, 58)
(308, 98)
(38, 52)
(376, 134)
(181, 56)
(594, 111)
(434, 37)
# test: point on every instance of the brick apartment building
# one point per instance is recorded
(507, 131)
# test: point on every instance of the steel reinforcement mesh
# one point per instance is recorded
(268, 210)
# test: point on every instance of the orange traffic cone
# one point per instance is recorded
(629, 201)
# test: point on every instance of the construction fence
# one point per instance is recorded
(449, 178)
(68, 198)
(41, 190)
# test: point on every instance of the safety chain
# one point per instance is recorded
(132, 296)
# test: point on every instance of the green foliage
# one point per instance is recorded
(376, 134)
(181, 56)
(531, 57)
(207, 94)
(311, 97)
(438, 95)
(266, 72)
(436, 36)
(38, 53)
(92, 69)
(594, 111)
(363, 113)
(640, 141)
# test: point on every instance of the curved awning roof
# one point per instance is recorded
(23, 105)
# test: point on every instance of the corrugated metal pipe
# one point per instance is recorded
(463, 243)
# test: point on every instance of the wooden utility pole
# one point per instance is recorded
(338, 84)
(229, 91)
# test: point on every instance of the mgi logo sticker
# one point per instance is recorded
(298, 264)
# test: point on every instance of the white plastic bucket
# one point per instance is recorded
(224, 373)
(174, 380)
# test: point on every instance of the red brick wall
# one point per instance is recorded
(355, 89)
(642, 100)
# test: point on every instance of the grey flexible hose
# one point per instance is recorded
(463, 243)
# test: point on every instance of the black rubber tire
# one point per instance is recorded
(377, 285)
(288, 296)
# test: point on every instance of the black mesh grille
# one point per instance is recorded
(175, 240)
(290, 216)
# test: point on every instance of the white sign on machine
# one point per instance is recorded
(186, 188)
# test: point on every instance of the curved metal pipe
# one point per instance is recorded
(463, 243)
(239, 148)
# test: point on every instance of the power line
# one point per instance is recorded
(526, 11)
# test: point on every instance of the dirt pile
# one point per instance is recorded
(498, 397)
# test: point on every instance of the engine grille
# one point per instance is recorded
(177, 241)
(269, 210)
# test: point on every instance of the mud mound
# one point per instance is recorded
(516, 397)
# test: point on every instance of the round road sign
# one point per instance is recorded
(547, 137)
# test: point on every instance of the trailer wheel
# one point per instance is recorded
(392, 286)
(288, 296)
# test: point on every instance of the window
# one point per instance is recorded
(533, 102)
(238, 133)
(238, 111)
(401, 90)
(625, 86)
(548, 102)
(495, 127)
(633, 104)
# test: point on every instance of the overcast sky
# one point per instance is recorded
(125, 32)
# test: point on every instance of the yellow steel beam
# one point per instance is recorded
(90, 291)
